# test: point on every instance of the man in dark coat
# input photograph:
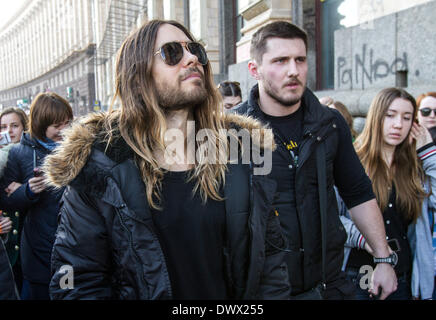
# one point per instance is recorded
(142, 221)
(301, 126)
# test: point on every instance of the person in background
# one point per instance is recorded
(427, 108)
(326, 100)
(400, 158)
(231, 93)
(343, 110)
(427, 112)
(14, 121)
(23, 188)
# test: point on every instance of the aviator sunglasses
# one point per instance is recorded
(172, 52)
(425, 112)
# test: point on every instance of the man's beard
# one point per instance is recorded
(284, 102)
(172, 98)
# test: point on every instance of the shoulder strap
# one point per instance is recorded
(322, 190)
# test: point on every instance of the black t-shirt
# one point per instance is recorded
(192, 237)
(396, 226)
(287, 132)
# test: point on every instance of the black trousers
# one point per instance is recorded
(340, 289)
(38, 291)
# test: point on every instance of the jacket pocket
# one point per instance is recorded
(275, 240)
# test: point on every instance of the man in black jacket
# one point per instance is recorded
(140, 219)
(301, 125)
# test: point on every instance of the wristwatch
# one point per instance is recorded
(391, 259)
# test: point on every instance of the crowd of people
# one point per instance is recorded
(137, 213)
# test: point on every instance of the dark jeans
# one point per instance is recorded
(434, 289)
(339, 289)
(34, 291)
(403, 291)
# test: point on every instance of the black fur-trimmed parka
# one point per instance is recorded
(106, 232)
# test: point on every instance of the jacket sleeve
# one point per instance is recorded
(14, 172)
(80, 258)
(274, 283)
(419, 235)
(420, 240)
(427, 154)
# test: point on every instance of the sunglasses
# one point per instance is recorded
(425, 112)
(172, 52)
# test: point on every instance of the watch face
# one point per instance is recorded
(394, 258)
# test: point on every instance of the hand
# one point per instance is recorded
(5, 225)
(37, 184)
(12, 187)
(420, 134)
(383, 278)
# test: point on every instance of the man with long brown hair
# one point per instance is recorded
(314, 153)
(147, 217)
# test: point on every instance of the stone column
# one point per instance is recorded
(257, 13)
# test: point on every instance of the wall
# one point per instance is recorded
(390, 51)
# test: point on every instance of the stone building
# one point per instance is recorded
(355, 48)
(48, 46)
(70, 46)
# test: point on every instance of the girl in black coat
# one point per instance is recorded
(23, 188)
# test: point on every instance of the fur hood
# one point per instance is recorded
(64, 164)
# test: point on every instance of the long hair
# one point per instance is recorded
(405, 172)
(141, 121)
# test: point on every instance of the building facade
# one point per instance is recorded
(70, 46)
(356, 47)
(48, 46)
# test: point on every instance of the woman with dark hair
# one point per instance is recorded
(231, 94)
(399, 156)
(14, 121)
(23, 188)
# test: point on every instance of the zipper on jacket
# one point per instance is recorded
(249, 216)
